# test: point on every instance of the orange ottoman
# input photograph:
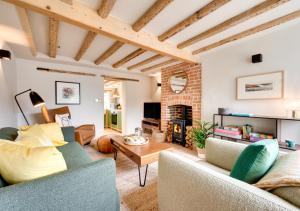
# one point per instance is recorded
(104, 145)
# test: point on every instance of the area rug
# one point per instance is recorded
(132, 196)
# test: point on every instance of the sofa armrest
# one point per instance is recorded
(187, 185)
(90, 187)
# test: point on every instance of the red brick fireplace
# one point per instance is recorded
(191, 96)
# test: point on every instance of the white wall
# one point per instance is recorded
(222, 66)
(89, 111)
(8, 116)
(156, 90)
(133, 97)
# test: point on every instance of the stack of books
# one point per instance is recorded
(230, 131)
(254, 137)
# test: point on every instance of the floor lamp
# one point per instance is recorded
(35, 99)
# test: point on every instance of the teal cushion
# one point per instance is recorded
(69, 133)
(8, 133)
(255, 160)
(74, 155)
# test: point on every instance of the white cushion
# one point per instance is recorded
(63, 120)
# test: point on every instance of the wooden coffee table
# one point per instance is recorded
(142, 155)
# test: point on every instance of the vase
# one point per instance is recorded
(201, 152)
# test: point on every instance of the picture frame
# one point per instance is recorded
(67, 93)
(260, 86)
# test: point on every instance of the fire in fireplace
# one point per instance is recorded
(181, 116)
(178, 134)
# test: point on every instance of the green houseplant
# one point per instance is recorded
(200, 133)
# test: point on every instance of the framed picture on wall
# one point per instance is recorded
(67, 93)
(261, 86)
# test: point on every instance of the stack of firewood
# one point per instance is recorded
(169, 132)
(188, 137)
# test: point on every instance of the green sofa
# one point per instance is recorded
(86, 185)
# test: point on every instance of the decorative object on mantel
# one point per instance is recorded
(35, 98)
(67, 93)
(261, 86)
(200, 134)
(178, 81)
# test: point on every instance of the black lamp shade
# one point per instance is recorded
(36, 99)
(4, 54)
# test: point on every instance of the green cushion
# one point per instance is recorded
(255, 160)
(69, 133)
(74, 155)
(8, 133)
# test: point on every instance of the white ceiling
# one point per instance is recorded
(70, 37)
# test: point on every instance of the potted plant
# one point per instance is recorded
(200, 133)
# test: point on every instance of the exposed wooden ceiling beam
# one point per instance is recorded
(129, 57)
(146, 61)
(64, 71)
(23, 17)
(90, 36)
(251, 31)
(85, 17)
(112, 78)
(158, 6)
(170, 61)
(154, 10)
(70, 2)
(248, 14)
(201, 13)
(109, 52)
(53, 34)
(106, 7)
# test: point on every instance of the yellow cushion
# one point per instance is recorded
(19, 163)
(51, 131)
(34, 141)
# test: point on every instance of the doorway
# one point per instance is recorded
(113, 110)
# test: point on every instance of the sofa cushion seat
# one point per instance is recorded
(74, 155)
(213, 167)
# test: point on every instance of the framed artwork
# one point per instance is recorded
(67, 93)
(261, 86)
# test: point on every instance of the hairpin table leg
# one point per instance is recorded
(144, 183)
(115, 154)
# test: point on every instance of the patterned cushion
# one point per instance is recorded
(63, 120)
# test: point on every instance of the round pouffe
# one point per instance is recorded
(104, 145)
